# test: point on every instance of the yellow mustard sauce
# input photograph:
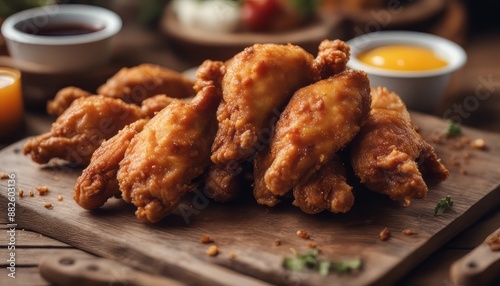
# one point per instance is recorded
(404, 58)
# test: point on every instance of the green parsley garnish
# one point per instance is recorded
(310, 261)
(443, 205)
(453, 129)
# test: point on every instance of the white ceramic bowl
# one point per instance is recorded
(61, 53)
(420, 90)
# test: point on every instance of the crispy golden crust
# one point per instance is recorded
(222, 185)
(98, 181)
(326, 189)
(389, 156)
(81, 129)
(319, 120)
(64, 98)
(332, 58)
(172, 150)
(135, 84)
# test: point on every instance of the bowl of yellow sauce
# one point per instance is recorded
(415, 65)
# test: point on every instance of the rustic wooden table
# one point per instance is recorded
(482, 72)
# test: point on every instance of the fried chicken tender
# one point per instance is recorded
(81, 129)
(319, 120)
(389, 156)
(98, 182)
(326, 189)
(135, 84)
(162, 161)
(64, 98)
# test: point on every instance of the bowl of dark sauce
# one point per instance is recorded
(61, 38)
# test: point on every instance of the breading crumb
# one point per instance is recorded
(59, 198)
(407, 202)
(303, 234)
(463, 172)
(277, 242)
(407, 231)
(232, 255)
(212, 250)
(384, 234)
(21, 193)
(494, 242)
(478, 144)
(42, 191)
(4, 176)
(311, 244)
(206, 239)
(48, 206)
(31, 194)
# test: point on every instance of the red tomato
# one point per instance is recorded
(257, 15)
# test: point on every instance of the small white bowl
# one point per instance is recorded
(61, 53)
(420, 90)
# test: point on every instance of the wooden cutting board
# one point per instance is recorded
(172, 247)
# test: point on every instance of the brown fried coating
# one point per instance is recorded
(98, 182)
(135, 84)
(326, 189)
(81, 129)
(319, 120)
(222, 185)
(258, 82)
(172, 150)
(64, 98)
(389, 156)
(332, 58)
(155, 104)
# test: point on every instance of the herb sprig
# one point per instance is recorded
(453, 129)
(443, 205)
(310, 261)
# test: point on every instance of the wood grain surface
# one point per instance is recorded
(172, 247)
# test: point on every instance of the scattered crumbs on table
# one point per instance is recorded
(48, 206)
(21, 193)
(206, 239)
(232, 254)
(311, 244)
(31, 194)
(42, 191)
(59, 198)
(212, 250)
(384, 234)
(277, 242)
(478, 144)
(494, 242)
(4, 176)
(303, 234)
(407, 202)
(408, 231)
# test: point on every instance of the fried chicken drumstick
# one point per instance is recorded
(389, 156)
(173, 149)
(258, 83)
(319, 120)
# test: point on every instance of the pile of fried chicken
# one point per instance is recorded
(273, 114)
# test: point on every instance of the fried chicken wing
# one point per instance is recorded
(98, 182)
(81, 129)
(389, 156)
(135, 84)
(319, 120)
(173, 149)
(64, 98)
(326, 189)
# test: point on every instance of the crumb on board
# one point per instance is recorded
(212, 250)
(478, 144)
(303, 234)
(384, 234)
(42, 191)
(31, 194)
(311, 244)
(48, 206)
(407, 202)
(277, 242)
(232, 254)
(4, 176)
(463, 171)
(494, 242)
(59, 198)
(206, 239)
(21, 193)
(407, 231)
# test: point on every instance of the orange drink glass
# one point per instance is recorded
(11, 102)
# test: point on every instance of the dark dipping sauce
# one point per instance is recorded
(63, 30)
